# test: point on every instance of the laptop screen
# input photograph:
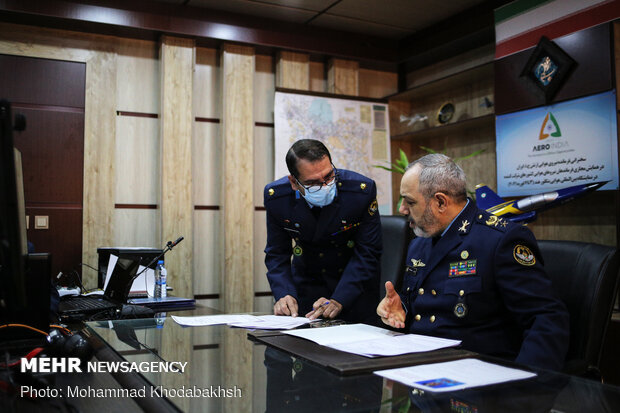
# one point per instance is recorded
(121, 279)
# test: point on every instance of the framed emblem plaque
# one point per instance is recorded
(547, 68)
(445, 112)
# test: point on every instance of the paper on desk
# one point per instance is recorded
(273, 322)
(396, 345)
(454, 375)
(370, 341)
(212, 320)
(346, 333)
(263, 322)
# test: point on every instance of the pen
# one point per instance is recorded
(324, 304)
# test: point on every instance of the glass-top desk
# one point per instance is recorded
(231, 373)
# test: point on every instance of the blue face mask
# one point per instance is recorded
(323, 196)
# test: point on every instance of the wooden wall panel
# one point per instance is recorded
(293, 70)
(238, 135)
(264, 89)
(99, 155)
(208, 260)
(238, 65)
(137, 160)
(264, 304)
(377, 84)
(589, 219)
(177, 68)
(263, 162)
(449, 67)
(318, 81)
(137, 82)
(343, 77)
(207, 164)
(137, 228)
(207, 84)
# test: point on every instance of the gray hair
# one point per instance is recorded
(439, 173)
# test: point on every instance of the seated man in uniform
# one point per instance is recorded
(327, 220)
(471, 275)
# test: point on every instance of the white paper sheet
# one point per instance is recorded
(108, 274)
(273, 322)
(144, 283)
(211, 320)
(263, 322)
(370, 341)
(346, 333)
(454, 375)
(393, 346)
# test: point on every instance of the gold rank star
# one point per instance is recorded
(464, 225)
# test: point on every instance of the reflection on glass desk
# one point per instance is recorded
(227, 372)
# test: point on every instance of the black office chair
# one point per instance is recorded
(586, 278)
(396, 236)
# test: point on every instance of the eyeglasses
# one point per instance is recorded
(315, 186)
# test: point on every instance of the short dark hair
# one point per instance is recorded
(310, 150)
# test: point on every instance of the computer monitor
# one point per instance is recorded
(17, 303)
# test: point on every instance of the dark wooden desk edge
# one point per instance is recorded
(348, 364)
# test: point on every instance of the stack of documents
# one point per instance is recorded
(263, 322)
(370, 341)
(454, 375)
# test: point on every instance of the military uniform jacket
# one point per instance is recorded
(335, 255)
(483, 283)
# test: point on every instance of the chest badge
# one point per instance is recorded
(460, 310)
(417, 263)
(463, 227)
(297, 251)
(464, 254)
(350, 243)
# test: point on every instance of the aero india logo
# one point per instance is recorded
(549, 128)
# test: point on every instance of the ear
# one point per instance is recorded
(442, 201)
(294, 184)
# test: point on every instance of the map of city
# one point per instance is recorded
(355, 132)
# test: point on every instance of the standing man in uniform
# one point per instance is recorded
(471, 275)
(327, 220)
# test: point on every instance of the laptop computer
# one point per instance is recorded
(106, 305)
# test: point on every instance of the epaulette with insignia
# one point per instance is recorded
(493, 221)
(354, 185)
(277, 191)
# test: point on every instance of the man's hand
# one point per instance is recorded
(286, 305)
(325, 308)
(390, 309)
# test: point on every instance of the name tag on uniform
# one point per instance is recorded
(462, 268)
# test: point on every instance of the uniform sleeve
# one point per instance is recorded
(364, 266)
(530, 298)
(278, 259)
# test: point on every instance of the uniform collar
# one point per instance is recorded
(455, 218)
